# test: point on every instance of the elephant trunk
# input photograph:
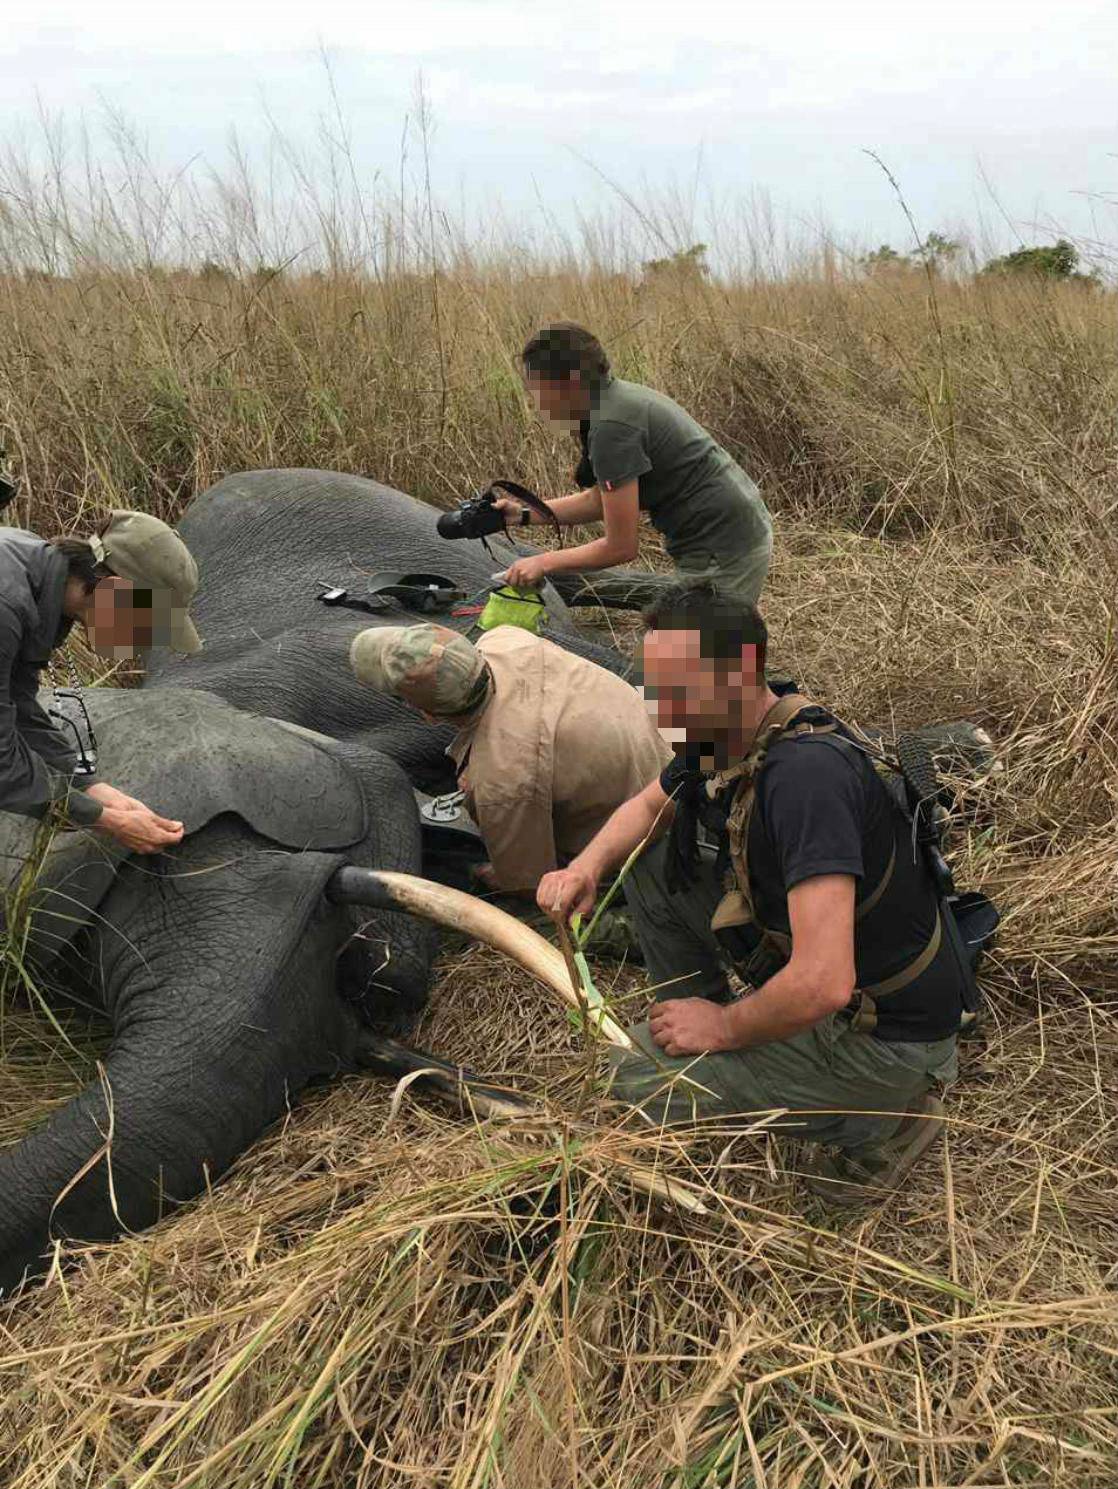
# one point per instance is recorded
(220, 1016)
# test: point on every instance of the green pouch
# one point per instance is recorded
(508, 607)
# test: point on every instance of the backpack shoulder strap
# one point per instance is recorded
(736, 907)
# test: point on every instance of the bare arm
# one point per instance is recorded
(817, 980)
(621, 512)
(570, 511)
(646, 815)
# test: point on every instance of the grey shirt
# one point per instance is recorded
(36, 759)
(699, 498)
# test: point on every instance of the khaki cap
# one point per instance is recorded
(431, 667)
(141, 548)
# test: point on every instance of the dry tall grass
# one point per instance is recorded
(385, 1295)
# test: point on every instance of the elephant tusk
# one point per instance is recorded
(383, 889)
(387, 890)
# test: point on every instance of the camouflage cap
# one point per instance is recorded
(431, 667)
(141, 548)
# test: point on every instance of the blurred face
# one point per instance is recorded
(122, 618)
(704, 705)
(557, 398)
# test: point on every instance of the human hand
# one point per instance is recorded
(510, 509)
(139, 829)
(690, 1026)
(109, 796)
(564, 891)
(526, 573)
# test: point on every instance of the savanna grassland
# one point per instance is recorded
(384, 1293)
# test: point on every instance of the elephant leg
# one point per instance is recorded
(613, 589)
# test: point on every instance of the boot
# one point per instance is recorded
(841, 1179)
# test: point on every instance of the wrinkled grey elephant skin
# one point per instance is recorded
(262, 539)
(219, 963)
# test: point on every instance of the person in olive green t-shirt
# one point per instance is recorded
(642, 453)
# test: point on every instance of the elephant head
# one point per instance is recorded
(233, 969)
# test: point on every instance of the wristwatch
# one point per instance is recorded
(525, 516)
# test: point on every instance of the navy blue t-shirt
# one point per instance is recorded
(821, 808)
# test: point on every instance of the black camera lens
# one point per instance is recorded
(476, 518)
(449, 524)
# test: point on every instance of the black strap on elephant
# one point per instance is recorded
(430, 594)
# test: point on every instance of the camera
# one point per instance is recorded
(476, 517)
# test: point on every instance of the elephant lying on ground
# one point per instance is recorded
(220, 964)
(265, 543)
(238, 967)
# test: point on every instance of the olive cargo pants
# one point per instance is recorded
(742, 575)
(831, 1079)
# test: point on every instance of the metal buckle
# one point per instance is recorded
(446, 808)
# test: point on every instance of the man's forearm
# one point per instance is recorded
(787, 1004)
(631, 823)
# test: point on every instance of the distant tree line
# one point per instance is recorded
(1059, 260)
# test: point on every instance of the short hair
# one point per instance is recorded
(564, 347)
(81, 564)
(725, 624)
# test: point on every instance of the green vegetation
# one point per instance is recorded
(935, 253)
(1059, 260)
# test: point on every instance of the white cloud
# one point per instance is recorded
(255, 26)
(784, 96)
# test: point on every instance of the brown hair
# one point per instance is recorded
(724, 624)
(80, 562)
(564, 347)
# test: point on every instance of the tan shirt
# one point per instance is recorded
(558, 747)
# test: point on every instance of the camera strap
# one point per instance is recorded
(530, 499)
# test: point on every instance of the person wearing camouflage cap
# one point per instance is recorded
(130, 585)
(547, 745)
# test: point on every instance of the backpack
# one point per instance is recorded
(965, 924)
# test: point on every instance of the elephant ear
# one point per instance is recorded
(192, 757)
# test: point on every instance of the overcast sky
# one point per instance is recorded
(529, 99)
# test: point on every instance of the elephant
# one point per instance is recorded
(268, 543)
(273, 946)
(231, 973)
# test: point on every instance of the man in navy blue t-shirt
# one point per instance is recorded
(833, 879)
